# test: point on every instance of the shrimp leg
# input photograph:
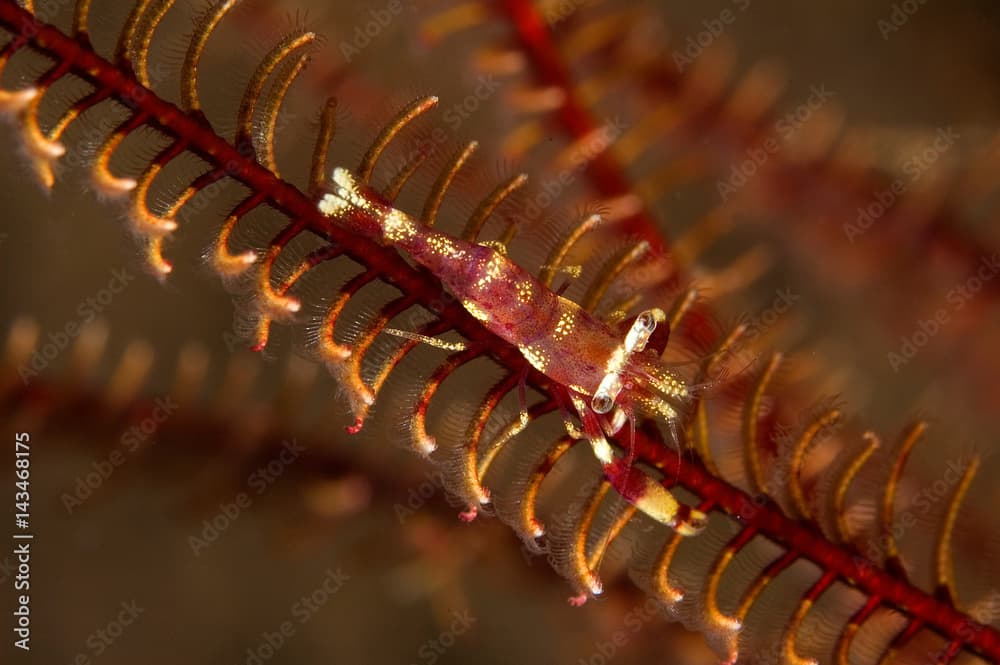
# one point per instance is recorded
(636, 486)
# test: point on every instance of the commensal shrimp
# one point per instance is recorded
(607, 378)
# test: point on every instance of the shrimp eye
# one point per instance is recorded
(641, 330)
(601, 403)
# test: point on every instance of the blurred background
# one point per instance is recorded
(349, 543)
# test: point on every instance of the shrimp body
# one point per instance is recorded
(602, 373)
(555, 335)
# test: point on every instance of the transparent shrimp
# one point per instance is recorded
(607, 379)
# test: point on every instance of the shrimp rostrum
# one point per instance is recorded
(608, 379)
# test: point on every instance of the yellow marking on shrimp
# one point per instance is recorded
(669, 385)
(493, 270)
(424, 339)
(497, 246)
(574, 270)
(332, 205)
(345, 195)
(658, 406)
(616, 362)
(535, 355)
(398, 227)
(347, 188)
(525, 291)
(444, 246)
(564, 326)
(475, 310)
(661, 505)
